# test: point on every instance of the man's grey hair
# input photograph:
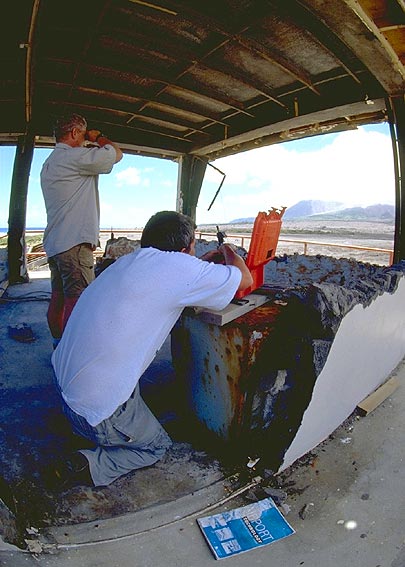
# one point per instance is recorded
(65, 124)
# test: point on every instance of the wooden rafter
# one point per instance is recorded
(29, 62)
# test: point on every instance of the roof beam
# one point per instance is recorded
(314, 121)
(173, 105)
(277, 59)
(89, 41)
(320, 32)
(187, 125)
(164, 82)
(194, 60)
(245, 79)
(360, 34)
(29, 62)
(203, 90)
(147, 101)
(88, 109)
(236, 35)
(170, 127)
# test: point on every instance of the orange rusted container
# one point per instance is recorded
(263, 245)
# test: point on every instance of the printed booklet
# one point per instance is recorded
(244, 528)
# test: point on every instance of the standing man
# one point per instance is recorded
(113, 335)
(69, 181)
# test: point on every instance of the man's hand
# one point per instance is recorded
(226, 247)
(233, 259)
(96, 137)
(92, 135)
(213, 256)
(218, 256)
(226, 254)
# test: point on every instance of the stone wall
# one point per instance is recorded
(284, 376)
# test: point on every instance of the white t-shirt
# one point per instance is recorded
(123, 318)
(69, 181)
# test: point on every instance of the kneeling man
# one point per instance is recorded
(112, 336)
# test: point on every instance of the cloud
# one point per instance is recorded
(354, 167)
(125, 217)
(168, 183)
(129, 176)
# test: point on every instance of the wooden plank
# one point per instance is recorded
(378, 396)
(233, 310)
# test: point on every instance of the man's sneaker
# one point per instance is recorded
(68, 473)
(21, 332)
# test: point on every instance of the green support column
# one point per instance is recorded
(397, 126)
(17, 261)
(191, 175)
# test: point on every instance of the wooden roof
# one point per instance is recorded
(206, 77)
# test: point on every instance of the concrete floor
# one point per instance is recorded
(357, 475)
(34, 429)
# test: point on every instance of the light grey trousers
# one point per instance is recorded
(132, 438)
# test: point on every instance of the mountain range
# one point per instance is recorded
(332, 210)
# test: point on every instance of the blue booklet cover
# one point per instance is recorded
(244, 528)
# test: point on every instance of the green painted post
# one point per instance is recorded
(17, 261)
(397, 127)
(191, 175)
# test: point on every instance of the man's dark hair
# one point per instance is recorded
(65, 124)
(168, 231)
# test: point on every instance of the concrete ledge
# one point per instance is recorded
(148, 519)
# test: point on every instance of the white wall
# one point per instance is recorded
(369, 344)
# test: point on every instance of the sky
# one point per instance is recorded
(354, 168)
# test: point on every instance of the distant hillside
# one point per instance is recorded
(244, 220)
(331, 210)
(308, 208)
(302, 209)
(381, 213)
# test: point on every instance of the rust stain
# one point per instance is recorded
(265, 315)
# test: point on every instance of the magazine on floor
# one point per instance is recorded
(245, 528)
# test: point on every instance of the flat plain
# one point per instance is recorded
(325, 237)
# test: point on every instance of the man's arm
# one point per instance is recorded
(97, 137)
(226, 254)
(233, 259)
